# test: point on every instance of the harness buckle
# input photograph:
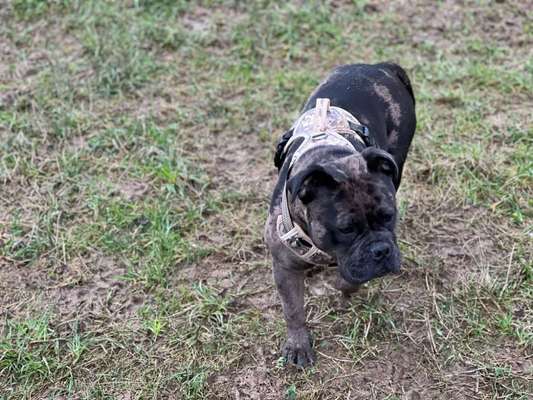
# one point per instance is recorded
(319, 135)
(363, 132)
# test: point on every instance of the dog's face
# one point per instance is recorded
(349, 208)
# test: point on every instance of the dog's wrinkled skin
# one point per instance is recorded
(345, 201)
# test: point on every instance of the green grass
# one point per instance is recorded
(32, 351)
(135, 162)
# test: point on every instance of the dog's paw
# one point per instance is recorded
(298, 349)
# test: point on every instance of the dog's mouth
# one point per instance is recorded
(382, 258)
(358, 278)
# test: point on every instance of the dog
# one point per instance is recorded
(334, 203)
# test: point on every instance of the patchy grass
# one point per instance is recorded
(135, 162)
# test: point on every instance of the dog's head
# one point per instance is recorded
(349, 209)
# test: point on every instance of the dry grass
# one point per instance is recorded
(135, 168)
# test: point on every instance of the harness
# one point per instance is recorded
(323, 125)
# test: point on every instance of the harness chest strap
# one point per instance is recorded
(291, 234)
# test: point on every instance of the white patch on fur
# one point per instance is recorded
(392, 107)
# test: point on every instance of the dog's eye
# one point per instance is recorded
(347, 229)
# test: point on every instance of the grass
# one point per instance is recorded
(135, 161)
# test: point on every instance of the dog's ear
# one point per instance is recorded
(279, 156)
(305, 183)
(378, 160)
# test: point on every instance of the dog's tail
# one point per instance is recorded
(402, 76)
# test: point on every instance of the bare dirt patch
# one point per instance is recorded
(82, 289)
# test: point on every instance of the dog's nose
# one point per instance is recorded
(380, 250)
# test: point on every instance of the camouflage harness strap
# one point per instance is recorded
(320, 126)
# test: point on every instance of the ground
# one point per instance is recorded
(135, 170)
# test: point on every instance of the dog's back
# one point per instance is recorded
(378, 95)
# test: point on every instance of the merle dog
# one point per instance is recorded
(340, 166)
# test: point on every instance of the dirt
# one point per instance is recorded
(133, 190)
(249, 383)
(106, 293)
(84, 289)
(433, 22)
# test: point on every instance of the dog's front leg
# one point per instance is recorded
(290, 283)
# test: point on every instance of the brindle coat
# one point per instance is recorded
(344, 200)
